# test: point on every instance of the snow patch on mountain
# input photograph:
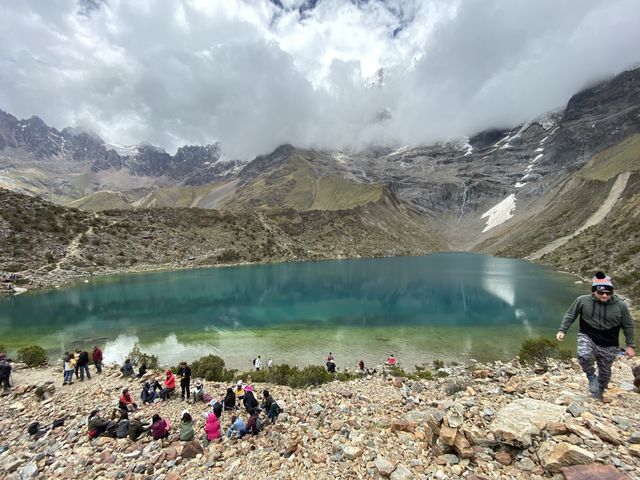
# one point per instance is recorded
(500, 213)
(122, 150)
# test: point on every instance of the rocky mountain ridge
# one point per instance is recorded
(511, 192)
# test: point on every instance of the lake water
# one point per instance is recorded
(452, 306)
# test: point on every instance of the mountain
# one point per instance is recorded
(561, 189)
(68, 165)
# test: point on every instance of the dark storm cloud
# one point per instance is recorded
(257, 74)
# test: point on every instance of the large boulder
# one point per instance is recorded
(517, 422)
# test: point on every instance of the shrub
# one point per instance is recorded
(425, 375)
(33, 355)
(565, 354)
(210, 368)
(310, 375)
(536, 352)
(438, 364)
(138, 357)
(441, 374)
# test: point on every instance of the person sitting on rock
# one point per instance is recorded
(127, 368)
(237, 425)
(149, 393)
(142, 370)
(159, 427)
(239, 390)
(96, 425)
(229, 401)
(137, 427)
(126, 402)
(391, 361)
(267, 400)
(212, 428)
(186, 427)
(198, 391)
(361, 366)
(249, 401)
(169, 385)
(251, 425)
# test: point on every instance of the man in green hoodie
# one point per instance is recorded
(601, 315)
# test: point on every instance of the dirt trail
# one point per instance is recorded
(601, 213)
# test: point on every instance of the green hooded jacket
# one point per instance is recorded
(601, 321)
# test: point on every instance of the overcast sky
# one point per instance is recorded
(254, 74)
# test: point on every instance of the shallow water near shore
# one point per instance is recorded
(452, 306)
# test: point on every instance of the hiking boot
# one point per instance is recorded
(594, 385)
(598, 395)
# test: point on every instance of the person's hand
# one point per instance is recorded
(560, 336)
(630, 352)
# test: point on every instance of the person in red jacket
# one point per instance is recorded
(96, 356)
(126, 401)
(169, 385)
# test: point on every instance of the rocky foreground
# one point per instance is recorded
(497, 421)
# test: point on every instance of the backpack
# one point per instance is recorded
(254, 362)
(259, 424)
(57, 423)
(207, 398)
(33, 428)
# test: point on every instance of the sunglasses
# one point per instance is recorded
(604, 292)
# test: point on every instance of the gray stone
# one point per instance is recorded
(351, 452)
(402, 473)
(575, 410)
(316, 409)
(518, 421)
(634, 438)
(30, 470)
(384, 466)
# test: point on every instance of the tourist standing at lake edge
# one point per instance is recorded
(601, 314)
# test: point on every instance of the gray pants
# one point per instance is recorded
(588, 351)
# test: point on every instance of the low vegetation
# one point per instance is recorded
(536, 353)
(138, 357)
(32, 355)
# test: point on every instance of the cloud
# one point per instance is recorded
(255, 74)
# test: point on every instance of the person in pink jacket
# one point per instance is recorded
(212, 427)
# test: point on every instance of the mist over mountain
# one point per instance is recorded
(534, 190)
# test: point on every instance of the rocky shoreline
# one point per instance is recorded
(493, 421)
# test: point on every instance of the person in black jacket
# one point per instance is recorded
(83, 365)
(5, 374)
(229, 401)
(184, 372)
(249, 400)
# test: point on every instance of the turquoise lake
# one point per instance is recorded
(452, 306)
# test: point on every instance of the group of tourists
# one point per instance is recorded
(128, 421)
(77, 363)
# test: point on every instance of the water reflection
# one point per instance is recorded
(445, 302)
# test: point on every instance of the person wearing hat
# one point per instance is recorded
(198, 391)
(249, 400)
(601, 315)
(239, 390)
